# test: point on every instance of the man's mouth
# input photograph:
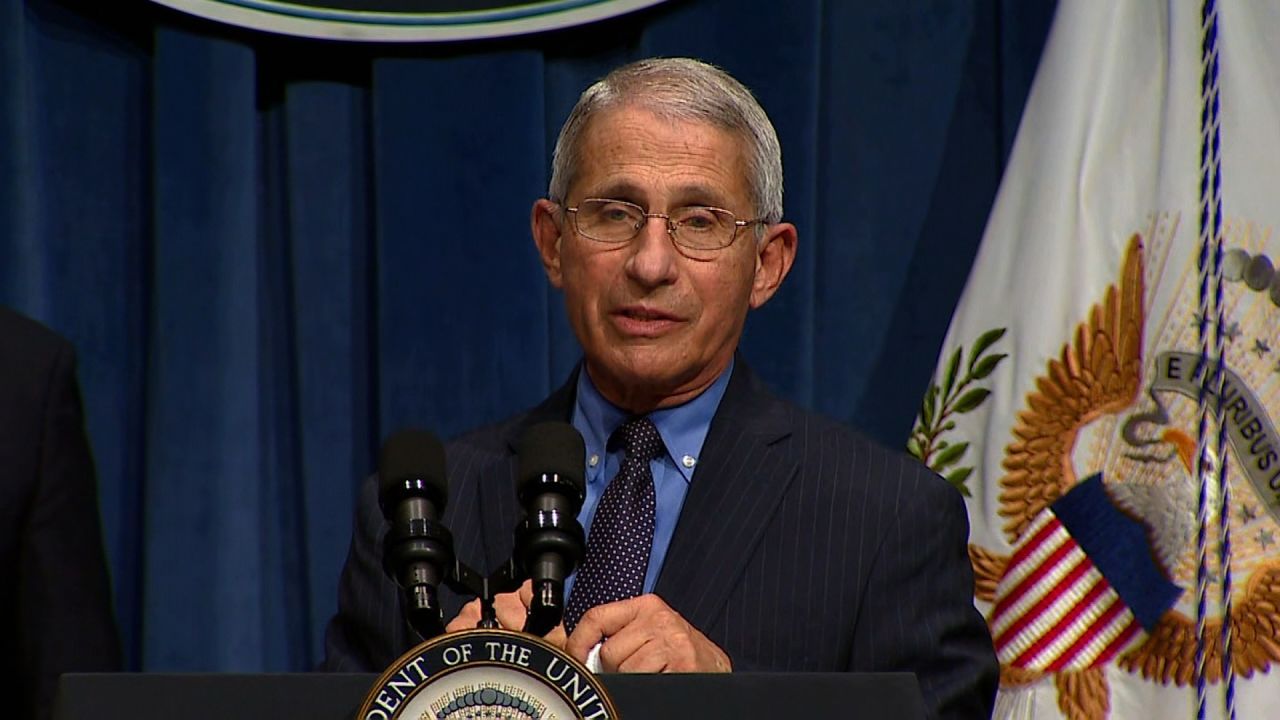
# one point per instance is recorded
(644, 321)
(637, 312)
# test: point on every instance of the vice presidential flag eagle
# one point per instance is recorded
(1108, 392)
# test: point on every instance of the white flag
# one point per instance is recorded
(1066, 401)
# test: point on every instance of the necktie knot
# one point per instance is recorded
(639, 439)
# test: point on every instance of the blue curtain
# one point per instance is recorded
(271, 252)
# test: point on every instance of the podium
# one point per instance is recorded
(320, 696)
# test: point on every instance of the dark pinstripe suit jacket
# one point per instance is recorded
(802, 546)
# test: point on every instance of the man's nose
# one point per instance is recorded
(654, 255)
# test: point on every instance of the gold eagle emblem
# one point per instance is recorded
(1099, 373)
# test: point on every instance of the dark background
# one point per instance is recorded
(272, 251)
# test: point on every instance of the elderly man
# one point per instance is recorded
(727, 528)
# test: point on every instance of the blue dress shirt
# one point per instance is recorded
(683, 429)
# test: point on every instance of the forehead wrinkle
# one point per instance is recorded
(628, 157)
(686, 195)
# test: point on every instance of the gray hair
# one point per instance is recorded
(687, 90)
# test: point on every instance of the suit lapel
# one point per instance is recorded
(742, 476)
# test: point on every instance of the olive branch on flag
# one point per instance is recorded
(953, 397)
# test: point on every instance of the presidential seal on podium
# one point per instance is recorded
(487, 675)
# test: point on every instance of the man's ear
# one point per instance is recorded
(545, 221)
(777, 252)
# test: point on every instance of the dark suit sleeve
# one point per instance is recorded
(921, 592)
(66, 623)
(368, 632)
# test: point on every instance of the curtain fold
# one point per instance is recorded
(206, 439)
(332, 307)
(271, 252)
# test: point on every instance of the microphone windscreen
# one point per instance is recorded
(552, 448)
(412, 464)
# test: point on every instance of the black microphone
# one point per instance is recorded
(417, 549)
(549, 541)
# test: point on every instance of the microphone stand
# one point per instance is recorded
(463, 580)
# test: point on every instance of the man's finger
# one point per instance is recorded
(622, 645)
(466, 618)
(603, 621)
(556, 637)
(510, 610)
(598, 623)
(651, 657)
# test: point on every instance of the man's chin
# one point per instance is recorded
(647, 365)
(642, 381)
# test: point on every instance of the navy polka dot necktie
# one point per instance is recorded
(621, 534)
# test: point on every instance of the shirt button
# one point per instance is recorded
(594, 461)
(689, 461)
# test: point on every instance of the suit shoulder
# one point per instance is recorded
(867, 460)
(492, 439)
(26, 343)
(464, 453)
(30, 354)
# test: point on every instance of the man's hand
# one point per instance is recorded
(511, 609)
(643, 634)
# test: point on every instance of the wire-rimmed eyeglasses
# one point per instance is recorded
(696, 228)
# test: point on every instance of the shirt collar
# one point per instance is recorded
(683, 428)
